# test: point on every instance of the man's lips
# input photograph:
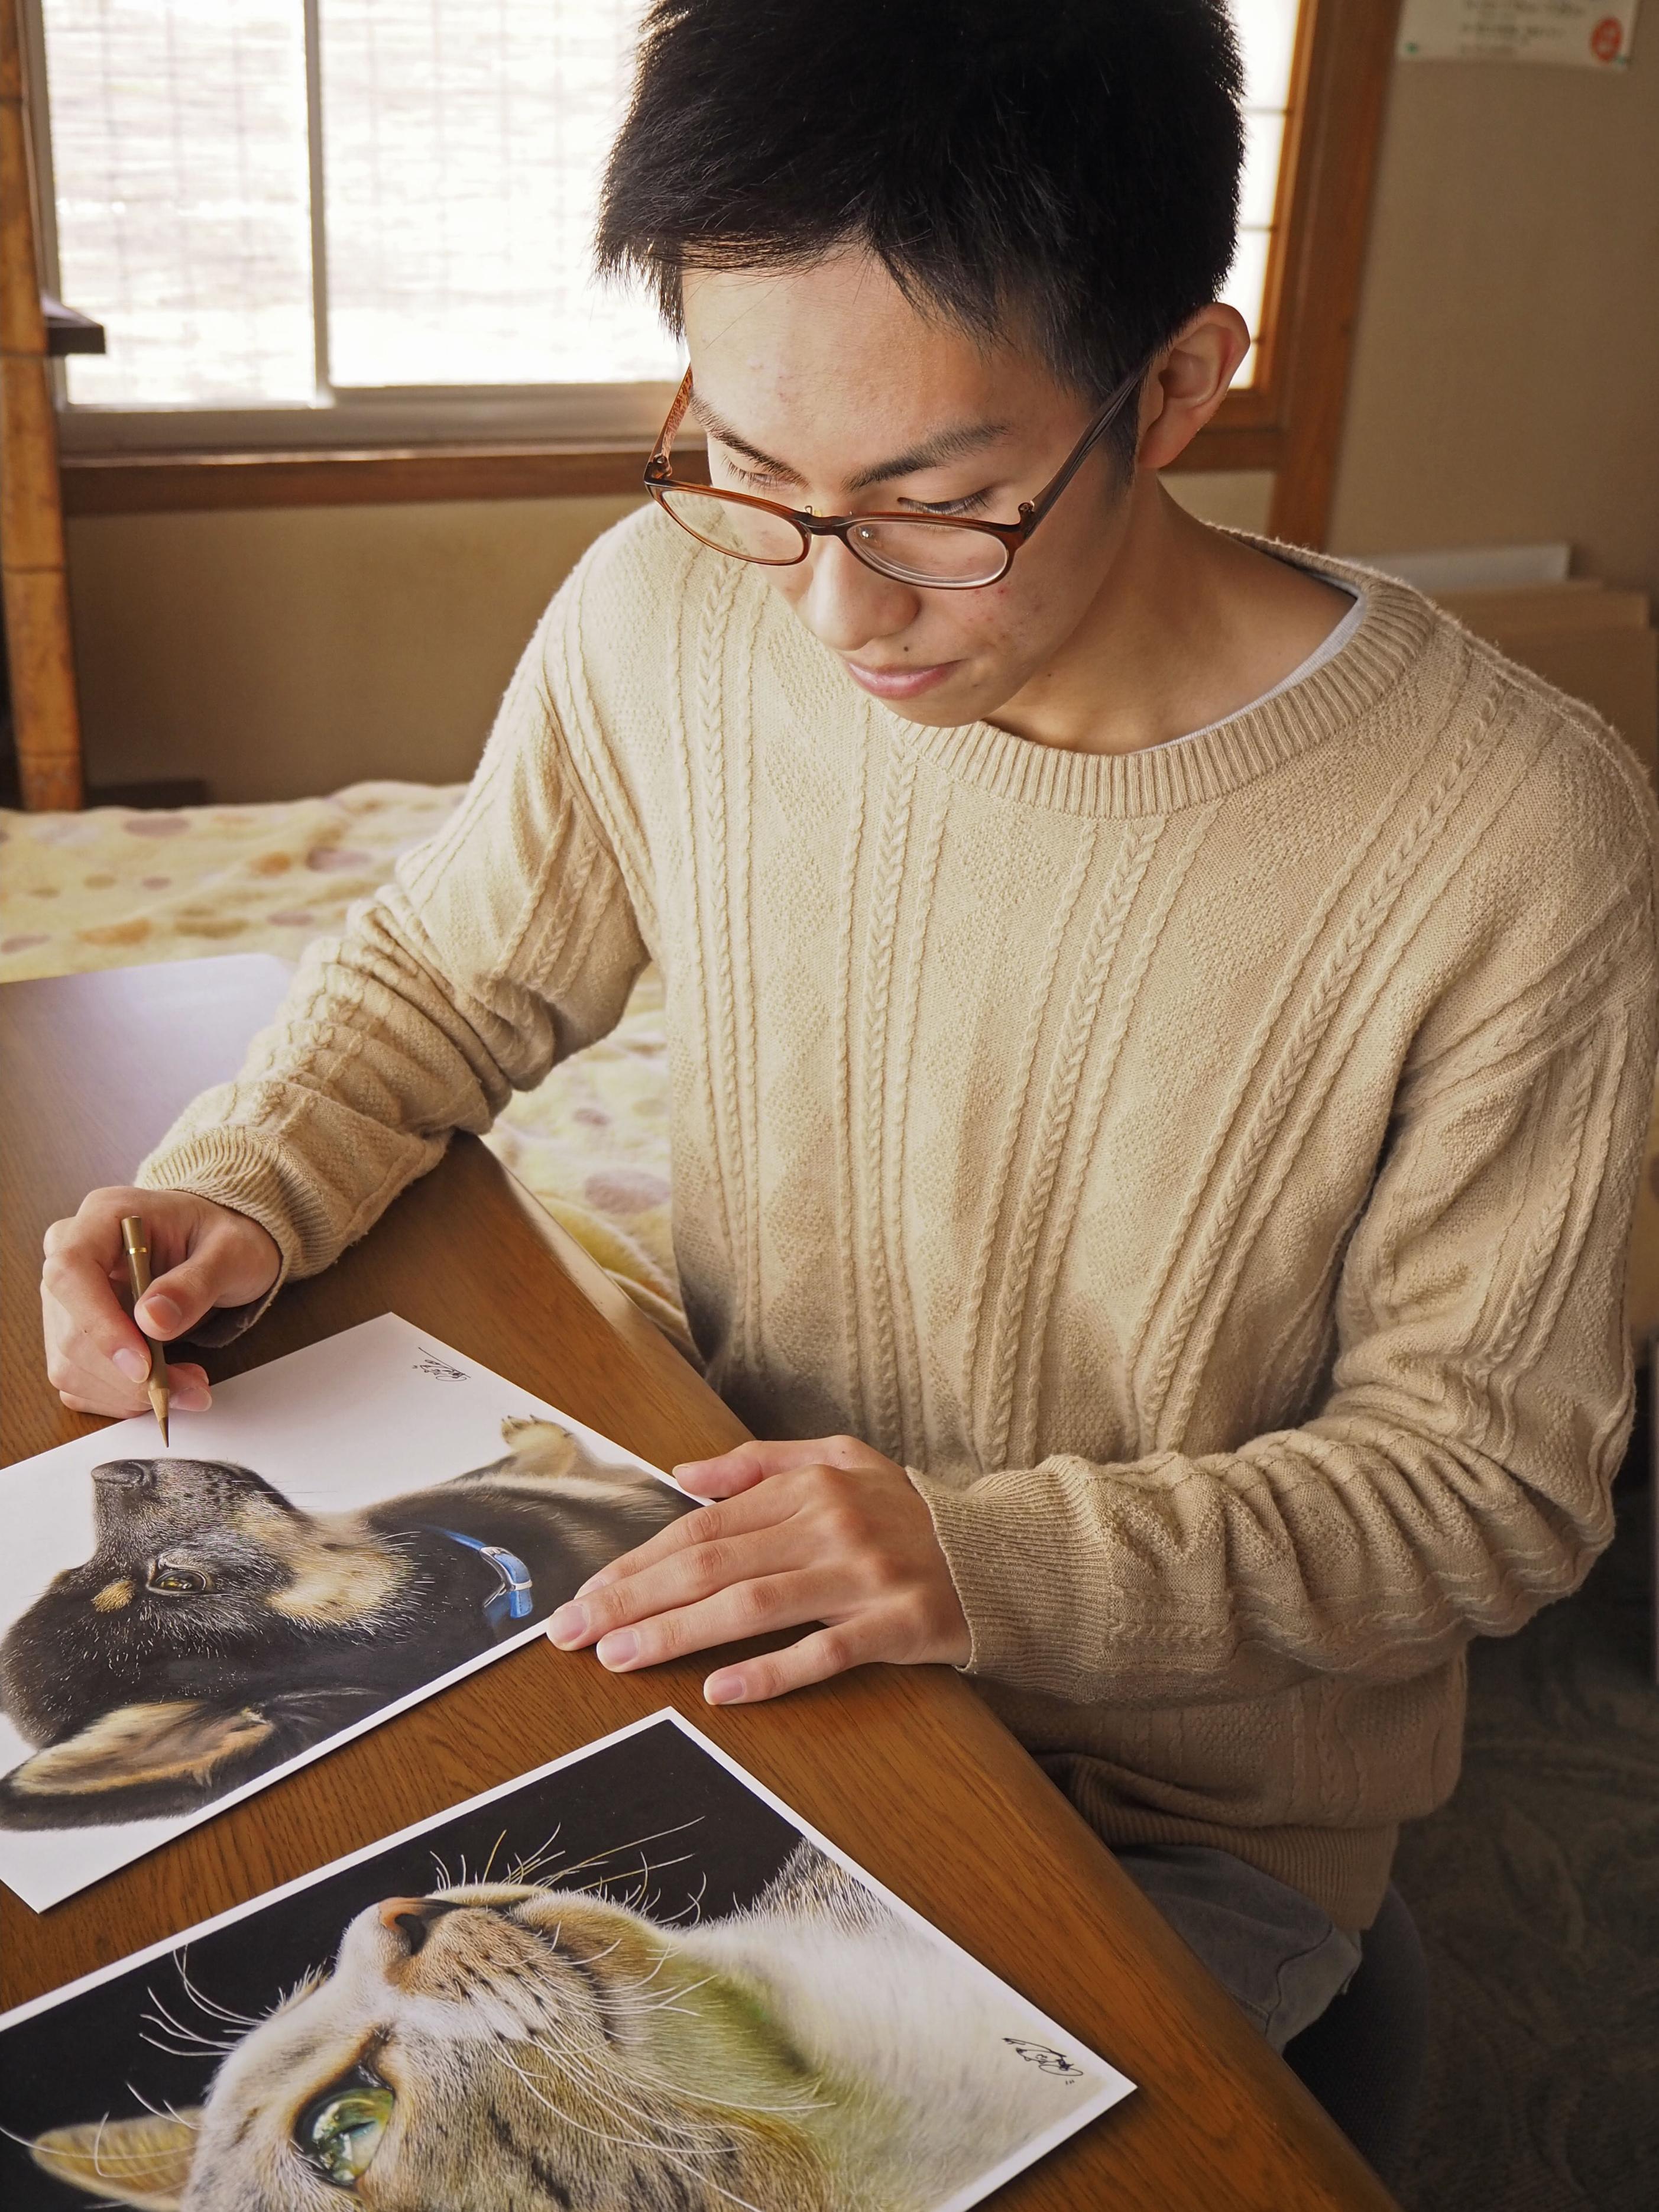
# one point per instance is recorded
(899, 682)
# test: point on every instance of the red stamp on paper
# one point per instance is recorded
(1607, 38)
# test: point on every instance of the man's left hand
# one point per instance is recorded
(825, 1530)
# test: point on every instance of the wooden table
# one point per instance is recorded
(903, 1767)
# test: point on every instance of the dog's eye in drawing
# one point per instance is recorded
(174, 1582)
(340, 2131)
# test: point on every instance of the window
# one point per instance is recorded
(182, 190)
(275, 205)
(278, 205)
(1266, 32)
(315, 226)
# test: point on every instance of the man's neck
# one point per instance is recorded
(1189, 626)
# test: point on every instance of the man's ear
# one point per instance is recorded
(1190, 382)
(143, 2162)
(134, 1764)
(539, 1448)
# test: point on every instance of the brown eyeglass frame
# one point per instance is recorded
(1011, 536)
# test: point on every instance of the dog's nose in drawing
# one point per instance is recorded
(128, 1474)
(411, 1918)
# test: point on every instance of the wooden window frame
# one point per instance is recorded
(1288, 423)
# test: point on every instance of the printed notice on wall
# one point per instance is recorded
(1577, 33)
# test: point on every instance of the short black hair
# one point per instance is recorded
(1062, 171)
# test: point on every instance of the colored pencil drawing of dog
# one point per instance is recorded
(218, 1630)
(523, 2046)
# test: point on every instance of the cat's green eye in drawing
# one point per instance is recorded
(341, 2131)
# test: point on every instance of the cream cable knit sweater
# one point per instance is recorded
(1209, 1170)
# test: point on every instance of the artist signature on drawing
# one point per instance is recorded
(429, 1363)
(1045, 2060)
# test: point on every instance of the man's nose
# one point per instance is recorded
(846, 605)
(411, 1918)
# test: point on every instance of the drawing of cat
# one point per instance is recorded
(522, 2045)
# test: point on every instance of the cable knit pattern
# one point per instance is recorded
(1209, 1171)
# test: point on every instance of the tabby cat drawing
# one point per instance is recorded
(523, 2046)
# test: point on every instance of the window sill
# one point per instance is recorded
(151, 483)
(186, 483)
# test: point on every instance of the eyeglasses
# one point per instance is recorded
(944, 552)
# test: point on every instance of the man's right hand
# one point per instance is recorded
(201, 1255)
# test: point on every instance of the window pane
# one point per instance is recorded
(1247, 279)
(462, 142)
(1264, 139)
(1267, 39)
(178, 148)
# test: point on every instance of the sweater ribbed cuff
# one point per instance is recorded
(988, 1563)
(219, 1169)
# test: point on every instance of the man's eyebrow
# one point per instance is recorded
(932, 452)
(715, 428)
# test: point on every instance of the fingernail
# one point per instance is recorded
(133, 1364)
(190, 1398)
(569, 1626)
(595, 1582)
(725, 1688)
(159, 1316)
(620, 1649)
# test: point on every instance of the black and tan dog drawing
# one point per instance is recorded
(218, 1630)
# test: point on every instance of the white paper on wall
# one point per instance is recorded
(343, 1531)
(1575, 33)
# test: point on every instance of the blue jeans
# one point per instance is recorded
(1276, 1954)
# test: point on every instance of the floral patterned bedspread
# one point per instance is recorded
(116, 885)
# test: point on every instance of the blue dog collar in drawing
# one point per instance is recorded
(514, 1597)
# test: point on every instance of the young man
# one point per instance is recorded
(1161, 1026)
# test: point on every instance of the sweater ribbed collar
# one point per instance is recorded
(1393, 633)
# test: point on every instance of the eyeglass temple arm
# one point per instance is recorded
(1032, 511)
(658, 464)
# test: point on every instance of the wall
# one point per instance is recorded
(1505, 388)
(291, 651)
(1505, 382)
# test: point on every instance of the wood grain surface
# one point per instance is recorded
(33, 582)
(902, 1767)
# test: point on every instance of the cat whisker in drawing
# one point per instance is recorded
(171, 2031)
(209, 2007)
(167, 2111)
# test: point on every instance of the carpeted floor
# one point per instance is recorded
(1537, 1891)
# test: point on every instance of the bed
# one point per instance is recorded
(115, 885)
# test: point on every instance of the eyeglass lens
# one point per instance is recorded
(748, 533)
(914, 553)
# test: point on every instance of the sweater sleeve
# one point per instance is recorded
(1456, 1475)
(504, 943)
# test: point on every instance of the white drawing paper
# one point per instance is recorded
(344, 1531)
(632, 1977)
